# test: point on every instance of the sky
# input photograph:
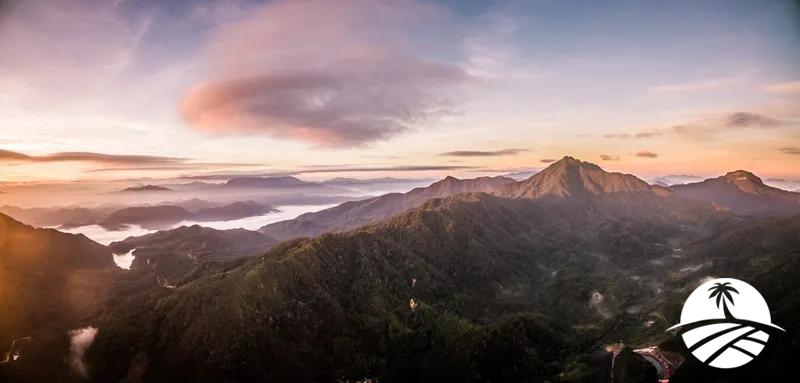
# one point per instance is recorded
(118, 90)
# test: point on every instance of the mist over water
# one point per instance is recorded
(80, 340)
(256, 222)
(100, 235)
(124, 261)
(106, 237)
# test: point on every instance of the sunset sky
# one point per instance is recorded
(93, 90)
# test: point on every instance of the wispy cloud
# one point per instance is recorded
(482, 153)
(695, 86)
(645, 134)
(737, 120)
(274, 75)
(709, 126)
(547, 160)
(121, 162)
(790, 150)
(646, 154)
(608, 157)
(746, 120)
(786, 88)
(8, 156)
(648, 134)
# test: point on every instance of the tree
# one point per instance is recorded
(722, 291)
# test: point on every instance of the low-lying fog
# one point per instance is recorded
(114, 211)
(105, 237)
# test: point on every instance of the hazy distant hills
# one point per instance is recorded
(145, 188)
(342, 181)
(66, 216)
(743, 193)
(165, 216)
(151, 217)
(567, 177)
(268, 182)
(356, 213)
(49, 283)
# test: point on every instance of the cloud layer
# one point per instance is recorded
(358, 75)
(483, 153)
(790, 150)
(121, 159)
(646, 154)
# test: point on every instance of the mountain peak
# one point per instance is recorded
(743, 176)
(569, 161)
(570, 176)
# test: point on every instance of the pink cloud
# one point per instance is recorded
(332, 73)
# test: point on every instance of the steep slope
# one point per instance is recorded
(743, 193)
(350, 215)
(503, 290)
(570, 177)
(176, 253)
(49, 282)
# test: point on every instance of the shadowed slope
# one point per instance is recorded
(49, 282)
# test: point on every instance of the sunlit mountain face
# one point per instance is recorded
(391, 191)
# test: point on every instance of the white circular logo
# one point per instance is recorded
(725, 323)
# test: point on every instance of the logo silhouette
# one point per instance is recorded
(722, 332)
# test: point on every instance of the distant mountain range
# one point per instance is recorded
(152, 217)
(341, 181)
(145, 188)
(268, 182)
(567, 177)
(743, 193)
(353, 214)
(165, 216)
(64, 217)
(488, 279)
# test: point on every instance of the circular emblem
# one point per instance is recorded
(725, 323)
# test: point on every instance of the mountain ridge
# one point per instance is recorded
(567, 177)
(742, 192)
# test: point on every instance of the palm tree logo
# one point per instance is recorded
(714, 335)
(723, 292)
